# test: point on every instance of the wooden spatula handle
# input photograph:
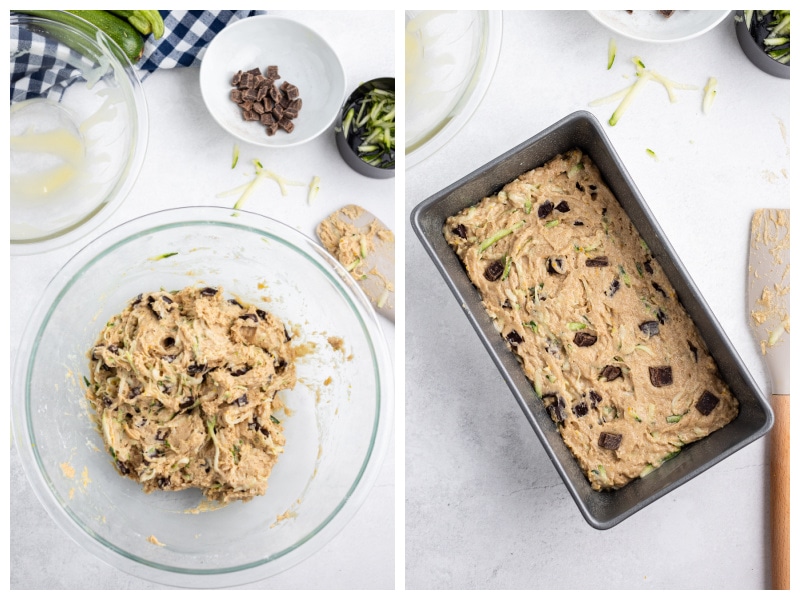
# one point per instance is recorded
(779, 492)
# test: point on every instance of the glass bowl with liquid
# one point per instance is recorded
(78, 129)
(451, 57)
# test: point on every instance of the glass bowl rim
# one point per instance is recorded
(141, 121)
(323, 532)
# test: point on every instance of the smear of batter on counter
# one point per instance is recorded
(771, 229)
(185, 385)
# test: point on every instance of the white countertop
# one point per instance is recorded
(485, 508)
(188, 162)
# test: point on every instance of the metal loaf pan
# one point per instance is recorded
(602, 510)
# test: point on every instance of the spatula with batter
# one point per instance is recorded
(365, 247)
(768, 306)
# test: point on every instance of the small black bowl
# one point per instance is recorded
(756, 53)
(348, 153)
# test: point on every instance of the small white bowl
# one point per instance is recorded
(650, 26)
(303, 58)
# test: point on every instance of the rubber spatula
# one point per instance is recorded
(365, 247)
(768, 306)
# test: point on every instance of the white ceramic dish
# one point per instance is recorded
(651, 26)
(303, 59)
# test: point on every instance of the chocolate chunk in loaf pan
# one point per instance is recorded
(581, 131)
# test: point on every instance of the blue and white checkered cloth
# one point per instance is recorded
(187, 33)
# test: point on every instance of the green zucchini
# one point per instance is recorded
(89, 21)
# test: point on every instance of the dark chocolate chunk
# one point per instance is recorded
(272, 72)
(290, 113)
(661, 316)
(271, 128)
(659, 289)
(557, 265)
(186, 402)
(494, 271)
(261, 314)
(610, 373)
(562, 206)
(597, 261)
(609, 441)
(249, 316)
(208, 291)
(235, 302)
(707, 403)
(135, 391)
(285, 123)
(660, 376)
(250, 94)
(578, 223)
(241, 400)
(168, 342)
(514, 338)
(578, 186)
(277, 112)
(613, 288)
(122, 467)
(239, 372)
(545, 209)
(649, 328)
(195, 369)
(648, 267)
(236, 96)
(595, 398)
(580, 409)
(237, 77)
(267, 119)
(161, 434)
(296, 104)
(584, 339)
(693, 350)
(555, 406)
(460, 230)
(258, 108)
(292, 92)
(275, 94)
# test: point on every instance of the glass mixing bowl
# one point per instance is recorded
(337, 424)
(78, 131)
(450, 59)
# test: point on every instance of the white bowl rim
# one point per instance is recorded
(600, 17)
